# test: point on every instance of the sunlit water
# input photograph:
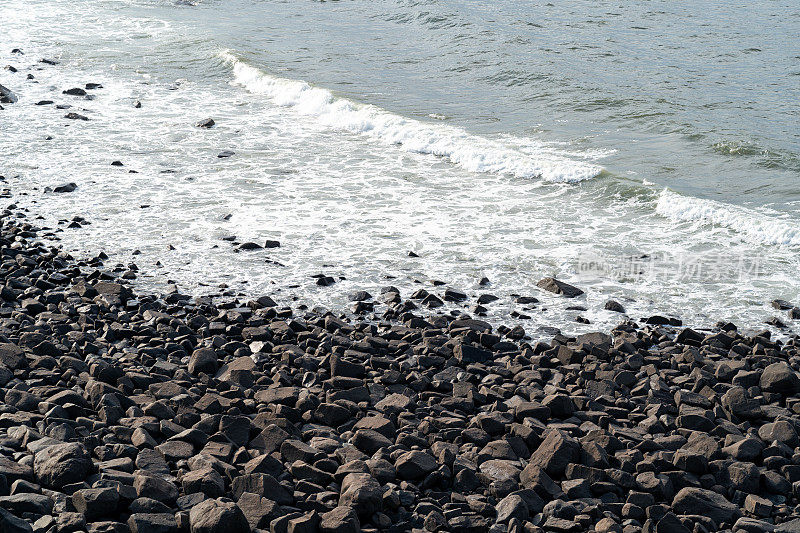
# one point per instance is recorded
(649, 154)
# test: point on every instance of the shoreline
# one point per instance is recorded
(210, 256)
(129, 411)
(136, 412)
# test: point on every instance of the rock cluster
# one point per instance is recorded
(124, 412)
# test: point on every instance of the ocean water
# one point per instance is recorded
(648, 152)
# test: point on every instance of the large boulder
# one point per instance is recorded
(555, 452)
(203, 360)
(152, 523)
(96, 503)
(12, 356)
(340, 520)
(7, 96)
(13, 524)
(415, 464)
(362, 492)
(62, 464)
(559, 287)
(779, 377)
(217, 516)
(696, 501)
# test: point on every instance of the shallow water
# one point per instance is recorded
(646, 153)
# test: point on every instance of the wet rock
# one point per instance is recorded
(559, 287)
(7, 96)
(69, 187)
(75, 91)
(75, 116)
(206, 123)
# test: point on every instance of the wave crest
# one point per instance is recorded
(757, 227)
(471, 152)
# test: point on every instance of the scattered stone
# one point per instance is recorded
(559, 287)
(69, 187)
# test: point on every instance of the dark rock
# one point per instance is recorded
(12, 356)
(203, 360)
(258, 510)
(554, 453)
(415, 464)
(207, 123)
(691, 500)
(362, 493)
(69, 187)
(75, 91)
(217, 516)
(340, 520)
(153, 523)
(779, 377)
(206, 481)
(559, 287)
(510, 507)
(7, 96)
(96, 503)
(12, 524)
(466, 353)
(62, 464)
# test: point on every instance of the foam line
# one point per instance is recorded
(757, 227)
(472, 152)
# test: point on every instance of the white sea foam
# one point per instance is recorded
(472, 152)
(757, 227)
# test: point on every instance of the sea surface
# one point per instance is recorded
(645, 151)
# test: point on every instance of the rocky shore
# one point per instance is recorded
(165, 413)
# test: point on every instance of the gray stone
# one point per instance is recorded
(217, 516)
(692, 500)
(62, 464)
